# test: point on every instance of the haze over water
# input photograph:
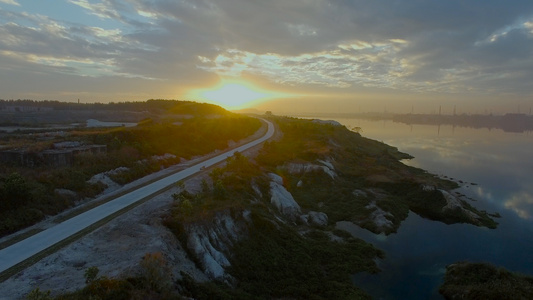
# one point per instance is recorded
(499, 165)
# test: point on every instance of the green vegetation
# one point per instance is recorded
(274, 256)
(28, 193)
(90, 274)
(483, 281)
(274, 260)
(370, 176)
(277, 262)
(232, 189)
(24, 200)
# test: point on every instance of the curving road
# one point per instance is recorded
(31, 246)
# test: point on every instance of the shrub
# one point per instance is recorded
(156, 272)
(90, 274)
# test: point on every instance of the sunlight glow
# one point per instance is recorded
(234, 94)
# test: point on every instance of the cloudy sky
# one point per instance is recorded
(314, 54)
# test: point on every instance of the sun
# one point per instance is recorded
(233, 94)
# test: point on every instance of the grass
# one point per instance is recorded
(277, 262)
(34, 259)
(361, 164)
(25, 264)
(466, 280)
(126, 147)
(278, 259)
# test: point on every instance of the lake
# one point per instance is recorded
(498, 163)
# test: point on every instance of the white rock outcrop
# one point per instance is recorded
(360, 193)
(212, 260)
(453, 203)
(428, 188)
(326, 167)
(106, 180)
(163, 157)
(315, 218)
(257, 190)
(327, 164)
(209, 243)
(282, 199)
(379, 217)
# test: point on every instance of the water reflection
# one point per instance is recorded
(495, 169)
(498, 161)
(482, 194)
(521, 203)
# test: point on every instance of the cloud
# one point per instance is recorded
(10, 2)
(354, 63)
(85, 50)
(440, 50)
(522, 204)
(454, 46)
(102, 10)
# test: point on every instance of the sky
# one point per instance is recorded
(300, 55)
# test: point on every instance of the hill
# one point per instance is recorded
(45, 170)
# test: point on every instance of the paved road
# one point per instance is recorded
(25, 249)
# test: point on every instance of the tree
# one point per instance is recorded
(15, 192)
(219, 191)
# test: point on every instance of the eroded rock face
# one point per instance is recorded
(379, 217)
(282, 199)
(315, 218)
(210, 242)
(453, 203)
(212, 260)
(360, 193)
(106, 180)
(326, 167)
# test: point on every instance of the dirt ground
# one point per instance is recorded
(116, 249)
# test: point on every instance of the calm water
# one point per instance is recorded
(499, 163)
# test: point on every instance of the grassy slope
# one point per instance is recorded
(27, 194)
(361, 164)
